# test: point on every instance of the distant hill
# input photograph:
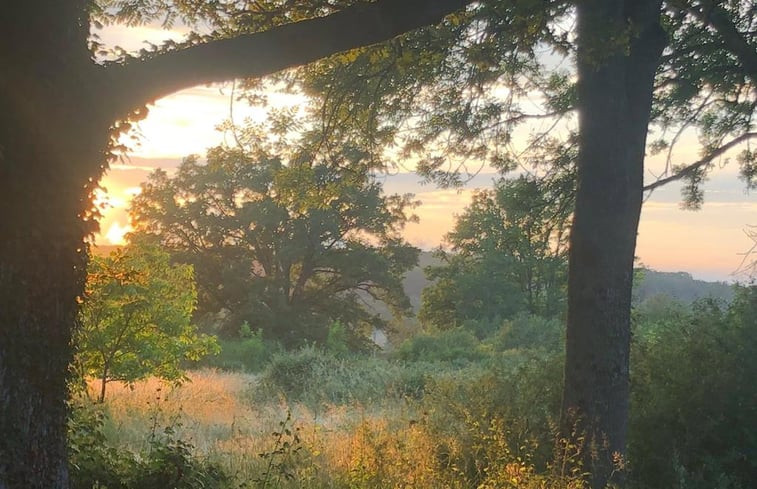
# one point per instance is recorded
(680, 286)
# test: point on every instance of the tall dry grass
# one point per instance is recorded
(214, 412)
(273, 443)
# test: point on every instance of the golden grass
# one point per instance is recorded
(347, 446)
(213, 411)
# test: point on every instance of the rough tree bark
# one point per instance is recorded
(57, 108)
(51, 142)
(614, 96)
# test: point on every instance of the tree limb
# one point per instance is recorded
(263, 53)
(714, 15)
(744, 268)
(690, 169)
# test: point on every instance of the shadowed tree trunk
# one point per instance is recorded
(56, 111)
(615, 95)
(52, 143)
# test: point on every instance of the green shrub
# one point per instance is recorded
(167, 463)
(519, 397)
(315, 377)
(92, 463)
(337, 340)
(483, 327)
(458, 346)
(530, 332)
(694, 397)
(249, 353)
(294, 372)
(170, 463)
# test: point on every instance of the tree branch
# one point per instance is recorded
(263, 53)
(714, 15)
(744, 268)
(690, 169)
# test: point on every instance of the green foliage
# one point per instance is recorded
(466, 289)
(528, 332)
(504, 414)
(295, 372)
(171, 463)
(92, 463)
(456, 345)
(135, 319)
(508, 255)
(246, 354)
(439, 97)
(283, 237)
(694, 412)
(337, 340)
(282, 459)
(167, 463)
(705, 82)
(316, 377)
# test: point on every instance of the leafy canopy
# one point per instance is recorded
(487, 86)
(508, 255)
(289, 239)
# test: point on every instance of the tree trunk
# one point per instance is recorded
(51, 147)
(42, 271)
(103, 385)
(615, 92)
(37, 301)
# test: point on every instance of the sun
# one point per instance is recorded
(116, 234)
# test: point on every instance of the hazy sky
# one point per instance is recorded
(707, 243)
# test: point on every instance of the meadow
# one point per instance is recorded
(445, 409)
(355, 421)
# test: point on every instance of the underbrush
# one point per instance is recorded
(314, 377)
(167, 461)
(439, 439)
(448, 410)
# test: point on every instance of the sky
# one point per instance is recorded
(708, 243)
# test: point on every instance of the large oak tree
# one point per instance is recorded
(286, 241)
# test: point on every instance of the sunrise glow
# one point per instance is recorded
(116, 234)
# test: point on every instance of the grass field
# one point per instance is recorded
(263, 439)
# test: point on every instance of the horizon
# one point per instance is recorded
(706, 243)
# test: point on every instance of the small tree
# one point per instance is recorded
(135, 318)
(509, 254)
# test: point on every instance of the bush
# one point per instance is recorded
(337, 339)
(694, 397)
(92, 463)
(483, 327)
(167, 463)
(315, 377)
(170, 463)
(459, 346)
(249, 353)
(531, 333)
(509, 409)
(293, 372)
